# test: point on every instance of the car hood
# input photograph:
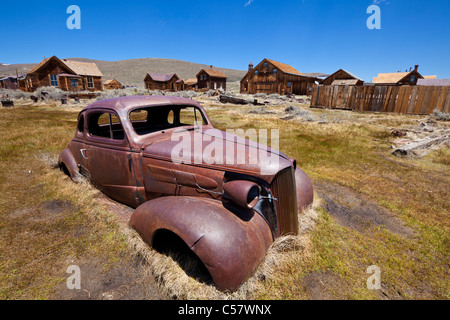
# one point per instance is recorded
(217, 149)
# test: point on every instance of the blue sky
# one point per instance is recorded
(311, 35)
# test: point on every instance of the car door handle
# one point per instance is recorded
(82, 154)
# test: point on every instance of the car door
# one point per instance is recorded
(109, 158)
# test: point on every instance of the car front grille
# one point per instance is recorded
(284, 190)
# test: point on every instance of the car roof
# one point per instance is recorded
(128, 103)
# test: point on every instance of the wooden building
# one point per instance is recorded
(342, 74)
(161, 81)
(190, 84)
(112, 84)
(347, 82)
(275, 77)
(13, 82)
(179, 85)
(399, 78)
(67, 75)
(211, 79)
(433, 82)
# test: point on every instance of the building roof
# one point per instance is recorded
(429, 77)
(191, 81)
(161, 77)
(394, 77)
(111, 81)
(346, 82)
(347, 72)
(284, 67)
(83, 68)
(40, 64)
(433, 82)
(213, 73)
(319, 75)
(352, 74)
(77, 67)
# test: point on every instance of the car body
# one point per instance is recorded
(227, 212)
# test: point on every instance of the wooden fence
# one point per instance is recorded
(399, 99)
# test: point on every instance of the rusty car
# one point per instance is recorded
(227, 213)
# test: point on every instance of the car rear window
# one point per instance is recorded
(152, 119)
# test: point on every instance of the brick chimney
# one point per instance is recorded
(416, 67)
(210, 68)
(250, 66)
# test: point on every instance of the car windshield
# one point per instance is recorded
(151, 119)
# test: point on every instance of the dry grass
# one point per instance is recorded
(46, 221)
(173, 281)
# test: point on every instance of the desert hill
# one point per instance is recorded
(133, 71)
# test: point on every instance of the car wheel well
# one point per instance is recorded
(169, 243)
(63, 168)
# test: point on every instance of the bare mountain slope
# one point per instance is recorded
(132, 72)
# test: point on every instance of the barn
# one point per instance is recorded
(161, 81)
(112, 84)
(342, 74)
(67, 75)
(270, 76)
(211, 79)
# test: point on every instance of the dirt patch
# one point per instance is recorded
(357, 211)
(55, 207)
(321, 285)
(128, 282)
(46, 210)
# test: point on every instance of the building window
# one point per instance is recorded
(265, 64)
(74, 83)
(215, 85)
(90, 82)
(412, 78)
(54, 80)
(274, 71)
(256, 72)
(289, 84)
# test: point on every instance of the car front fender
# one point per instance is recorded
(305, 191)
(230, 246)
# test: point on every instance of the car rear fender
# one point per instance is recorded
(230, 246)
(67, 159)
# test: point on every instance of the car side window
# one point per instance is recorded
(105, 125)
(80, 126)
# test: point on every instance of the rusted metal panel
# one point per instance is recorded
(227, 213)
(230, 247)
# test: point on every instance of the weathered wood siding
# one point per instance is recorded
(398, 99)
(169, 85)
(205, 81)
(43, 79)
(269, 79)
